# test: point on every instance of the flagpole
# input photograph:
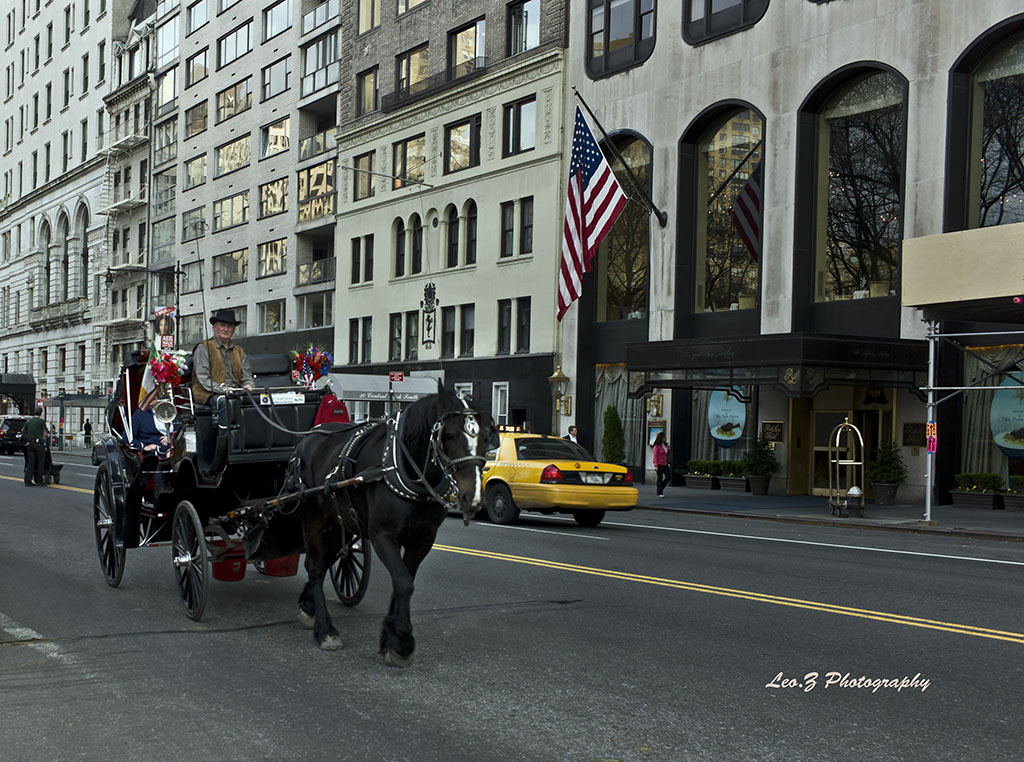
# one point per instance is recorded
(662, 216)
(726, 181)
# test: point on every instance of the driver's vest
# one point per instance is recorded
(218, 371)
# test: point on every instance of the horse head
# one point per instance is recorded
(465, 434)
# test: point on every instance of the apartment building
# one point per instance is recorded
(450, 159)
(863, 132)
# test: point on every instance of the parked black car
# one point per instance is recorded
(11, 440)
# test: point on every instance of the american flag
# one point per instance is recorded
(747, 214)
(592, 204)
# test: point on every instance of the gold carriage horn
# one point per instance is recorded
(164, 409)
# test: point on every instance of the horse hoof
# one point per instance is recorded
(331, 643)
(393, 659)
(306, 620)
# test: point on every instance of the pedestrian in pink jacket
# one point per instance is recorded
(661, 462)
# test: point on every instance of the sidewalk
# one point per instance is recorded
(804, 509)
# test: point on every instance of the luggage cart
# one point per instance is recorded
(846, 466)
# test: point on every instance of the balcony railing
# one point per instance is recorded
(320, 15)
(319, 271)
(431, 85)
(317, 144)
(320, 78)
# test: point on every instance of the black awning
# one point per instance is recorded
(21, 388)
(799, 364)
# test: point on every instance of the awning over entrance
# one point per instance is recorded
(370, 388)
(797, 363)
(21, 388)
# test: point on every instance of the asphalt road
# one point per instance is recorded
(654, 637)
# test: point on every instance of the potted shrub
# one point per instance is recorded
(978, 491)
(613, 441)
(1013, 498)
(701, 474)
(759, 464)
(886, 472)
(731, 478)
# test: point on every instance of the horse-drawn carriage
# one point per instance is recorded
(287, 487)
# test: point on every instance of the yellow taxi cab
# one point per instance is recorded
(534, 472)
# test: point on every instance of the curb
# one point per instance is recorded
(974, 534)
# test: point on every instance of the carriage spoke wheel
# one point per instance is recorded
(188, 553)
(350, 574)
(104, 521)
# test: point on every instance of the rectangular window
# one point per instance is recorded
(411, 70)
(195, 120)
(223, 5)
(508, 226)
(447, 332)
(275, 137)
(270, 317)
(163, 191)
(523, 26)
(353, 341)
(101, 61)
(165, 141)
(504, 326)
(314, 310)
(320, 64)
(526, 225)
(405, 5)
(410, 159)
(234, 100)
(316, 191)
(84, 143)
(198, 15)
(85, 74)
(467, 329)
(462, 145)
(400, 250)
(276, 19)
(163, 240)
(191, 282)
(231, 211)
(466, 48)
(395, 336)
(369, 15)
(196, 68)
(167, 43)
(233, 156)
(520, 126)
(234, 44)
(277, 78)
(229, 268)
(367, 339)
(272, 258)
(357, 260)
(274, 197)
(366, 92)
(167, 91)
(523, 324)
(195, 171)
(193, 224)
(364, 181)
(412, 335)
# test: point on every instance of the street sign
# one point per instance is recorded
(396, 375)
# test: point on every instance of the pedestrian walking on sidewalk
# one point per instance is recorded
(87, 428)
(661, 462)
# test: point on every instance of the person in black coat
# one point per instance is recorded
(149, 435)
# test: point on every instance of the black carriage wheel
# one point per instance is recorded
(188, 553)
(104, 521)
(56, 477)
(588, 518)
(350, 574)
(500, 508)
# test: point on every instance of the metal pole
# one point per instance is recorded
(930, 456)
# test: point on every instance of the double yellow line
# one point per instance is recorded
(827, 608)
(51, 486)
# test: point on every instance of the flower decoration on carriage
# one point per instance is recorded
(310, 364)
(166, 366)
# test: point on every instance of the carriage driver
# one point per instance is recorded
(218, 366)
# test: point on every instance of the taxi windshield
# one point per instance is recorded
(550, 449)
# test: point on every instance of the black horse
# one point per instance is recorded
(415, 468)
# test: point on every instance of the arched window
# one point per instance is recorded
(83, 238)
(399, 248)
(623, 257)
(62, 241)
(620, 35)
(860, 187)
(729, 199)
(470, 232)
(997, 141)
(451, 221)
(416, 266)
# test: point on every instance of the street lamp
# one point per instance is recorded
(559, 383)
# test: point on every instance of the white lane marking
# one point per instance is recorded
(819, 544)
(545, 531)
(35, 641)
(86, 473)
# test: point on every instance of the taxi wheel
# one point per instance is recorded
(500, 508)
(588, 518)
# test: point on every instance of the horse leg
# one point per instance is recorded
(317, 538)
(397, 643)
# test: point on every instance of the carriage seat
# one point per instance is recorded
(272, 370)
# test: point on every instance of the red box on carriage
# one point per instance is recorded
(231, 568)
(282, 567)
